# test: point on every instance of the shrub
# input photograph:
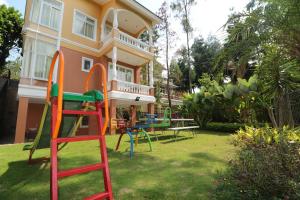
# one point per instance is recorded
(267, 166)
(224, 127)
(227, 127)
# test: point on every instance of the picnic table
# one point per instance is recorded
(178, 129)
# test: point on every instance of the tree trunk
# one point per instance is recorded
(290, 118)
(168, 68)
(281, 109)
(188, 47)
(148, 74)
(272, 117)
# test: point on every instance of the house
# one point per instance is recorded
(88, 32)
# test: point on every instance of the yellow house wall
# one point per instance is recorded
(89, 8)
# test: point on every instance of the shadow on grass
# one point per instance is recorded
(177, 139)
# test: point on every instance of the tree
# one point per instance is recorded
(11, 24)
(13, 68)
(183, 12)
(279, 77)
(203, 54)
(182, 60)
(175, 73)
(265, 37)
(168, 35)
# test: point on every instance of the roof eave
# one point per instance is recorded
(148, 13)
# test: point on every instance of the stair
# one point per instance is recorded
(56, 175)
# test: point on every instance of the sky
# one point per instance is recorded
(208, 16)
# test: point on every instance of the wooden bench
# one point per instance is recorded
(178, 129)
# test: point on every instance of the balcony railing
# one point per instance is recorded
(129, 87)
(123, 37)
(128, 40)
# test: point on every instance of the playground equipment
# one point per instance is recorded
(139, 129)
(58, 123)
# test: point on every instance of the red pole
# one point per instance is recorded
(103, 151)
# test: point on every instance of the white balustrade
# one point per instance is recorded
(129, 87)
(123, 37)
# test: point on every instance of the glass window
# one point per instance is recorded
(39, 59)
(50, 13)
(35, 10)
(84, 25)
(123, 73)
(87, 64)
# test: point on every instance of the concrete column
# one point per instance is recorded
(137, 75)
(151, 73)
(150, 37)
(151, 111)
(114, 62)
(21, 120)
(151, 108)
(115, 23)
(112, 114)
(151, 92)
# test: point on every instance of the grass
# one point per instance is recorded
(185, 169)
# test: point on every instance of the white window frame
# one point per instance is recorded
(128, 68)
(52, 6)
(82, 63)
(86, 15)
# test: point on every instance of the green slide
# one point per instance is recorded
(69, 124)
(42, 140)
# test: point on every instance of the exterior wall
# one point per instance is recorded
(89, 8)
(74, 77)
(34, 115)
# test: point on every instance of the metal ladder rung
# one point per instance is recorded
(98, 196)
(80, 170)
(78, 139)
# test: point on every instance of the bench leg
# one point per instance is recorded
(136, 140)
(148, 138)
(131, 144)
(175, 135)
(119, 141)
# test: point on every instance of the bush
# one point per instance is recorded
(223, 127)
(227, 127)
(267, 166)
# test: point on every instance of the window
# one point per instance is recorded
(84, 25)
(123, 73)
(87, 64)
(44, 53)
(50, 11)
(85, 122)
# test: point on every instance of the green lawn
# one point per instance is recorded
(185, 169)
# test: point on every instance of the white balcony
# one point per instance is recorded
(123, 86)
(129, 87)
(131, 41)
(127, 92)
(127, 40)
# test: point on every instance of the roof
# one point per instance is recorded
(143, 10)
